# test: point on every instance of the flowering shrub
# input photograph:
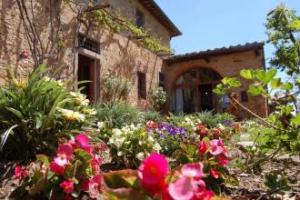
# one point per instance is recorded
(158, 98)
(35, 112)
(73, 172)
(130, 145)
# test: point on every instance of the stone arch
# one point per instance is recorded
(191, 90)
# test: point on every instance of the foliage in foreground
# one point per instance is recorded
(35, 112)
(283, 27)
(74, 173)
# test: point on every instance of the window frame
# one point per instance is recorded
(142, 85)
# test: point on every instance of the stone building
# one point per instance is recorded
(94, 53)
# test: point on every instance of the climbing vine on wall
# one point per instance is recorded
(118, 23)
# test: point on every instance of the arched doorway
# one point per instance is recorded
(192, 91)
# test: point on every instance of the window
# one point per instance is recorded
(244, 96)
(88, 44)
(140, 18)
(142, 85)
(161, 80)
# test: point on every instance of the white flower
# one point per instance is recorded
(141, 143)
(89, 111)
(151, 139)
(140, 156)
(80, 99)
(100, 125)
(120, 153)
(116, 132)
(157, 147)
(71, 115)
(221, 127)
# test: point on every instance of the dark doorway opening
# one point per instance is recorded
(206, 97)
(88, 70)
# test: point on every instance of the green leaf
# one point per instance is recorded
(295, 25)
(296, 120)
(287, 86)
(266, 76)
(231, 82)
(255, 90)
(15, 112)
(219, 90)
(43, 158)
(246, 73)
(276, 83)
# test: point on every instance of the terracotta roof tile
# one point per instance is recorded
(213, 52)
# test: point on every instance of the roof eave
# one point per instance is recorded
(161, 16)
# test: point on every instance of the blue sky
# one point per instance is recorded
(208, 24)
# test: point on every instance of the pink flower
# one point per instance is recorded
(214, 173)
(203, 194)
(187, 185)
(95, 164)
(67, 186)
(216, 147)
(84, 142)
(203, 147)
(192, 170)
(95, 185)
(65, 150)
(222, 160)
(58, 165)
(20, 172)
(152, 173)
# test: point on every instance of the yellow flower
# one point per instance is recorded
(20, 83)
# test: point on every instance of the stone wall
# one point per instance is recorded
(118, 54)
(227, 65)
(128, 9)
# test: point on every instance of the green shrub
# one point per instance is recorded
(212, 120)
(150, 116)
(117, 114)
(115, 88)
(35, 112)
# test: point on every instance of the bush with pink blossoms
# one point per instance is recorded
(72, 173)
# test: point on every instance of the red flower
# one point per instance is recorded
(216, 132)
(203, 194)
(152, 173)
(202, 130)
(65, 150)
(67, 186)
(203, 147)
(84, 142)
(222, 160)
(152, 125)
(84, 185)
(20, 173)
(58, 165)
(214, 173)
